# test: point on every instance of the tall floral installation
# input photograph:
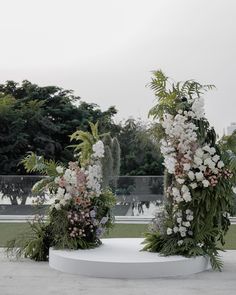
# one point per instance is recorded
(199, 175)
(80, 212)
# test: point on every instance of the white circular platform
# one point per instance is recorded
(121, 258)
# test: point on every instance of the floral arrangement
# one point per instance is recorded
(80, 212)
(199, 175)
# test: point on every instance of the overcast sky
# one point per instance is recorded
(105, 50)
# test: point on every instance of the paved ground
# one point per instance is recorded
(36, 278)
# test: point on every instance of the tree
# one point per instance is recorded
(40, 119)
(140, 154)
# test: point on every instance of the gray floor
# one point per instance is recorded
(27, 277)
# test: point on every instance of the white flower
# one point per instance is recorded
(197, 160)
(98, 149)
(180, 242)
(175, 192)
(212, 151)
(205, 183)
(187, 167)
(202, 168)
(57, 179)
(199, 176)
(189, 212)
(211, 164)
(60, 192)
(198, 107)
(178, 199)
(184, 189)
(63, 202)
(180, 180)
(220, 164)
(57, 206)
(191, 175)
(67, 196)
(179, 219)
(215, 170)
(169, 231)
(193, 185)
(189, 217)
(207, 148)
(216, 158)
(199, 153)
(175, 229)
(187, 197)
(186, 223)
(59, 169)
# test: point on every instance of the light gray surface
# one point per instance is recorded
(36, 278)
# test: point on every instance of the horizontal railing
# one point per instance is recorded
(118, 219)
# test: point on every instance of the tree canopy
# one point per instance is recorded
(40, 119)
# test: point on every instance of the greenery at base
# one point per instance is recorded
(8, 231)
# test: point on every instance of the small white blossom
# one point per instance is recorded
(193, 185)
(199, 176)
(216, 158)
(205, 183)
(57, 206)
(59, 169)
(180, 242)
(169, 231)
(220, 164)
(187, 167)
(191, 175)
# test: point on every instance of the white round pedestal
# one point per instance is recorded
(121, 258)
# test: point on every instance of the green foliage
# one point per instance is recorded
(87, 140)
(167, 93)
(33, 244)
(40, 119)
(140, 153)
